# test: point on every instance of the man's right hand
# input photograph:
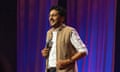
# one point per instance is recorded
(45, 52)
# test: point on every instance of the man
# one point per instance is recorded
(63, 44)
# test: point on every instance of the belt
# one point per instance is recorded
(51, 69)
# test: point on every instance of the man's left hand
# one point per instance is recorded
(63, 63)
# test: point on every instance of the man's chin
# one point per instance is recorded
(52, 24)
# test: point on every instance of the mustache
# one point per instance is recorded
(51, 19)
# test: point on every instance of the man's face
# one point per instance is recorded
(54, 18)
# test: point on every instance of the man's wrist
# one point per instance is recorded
(70, 61)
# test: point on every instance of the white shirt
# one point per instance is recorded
(76, 42)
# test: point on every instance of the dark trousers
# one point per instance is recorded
(51, 70)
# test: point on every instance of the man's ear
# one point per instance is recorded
(62, 19)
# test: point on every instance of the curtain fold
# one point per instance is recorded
(32, 18)
(95, 22)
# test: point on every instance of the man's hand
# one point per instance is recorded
(45, 52)
(63, 63)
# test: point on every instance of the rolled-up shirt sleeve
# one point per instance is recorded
(78, 43)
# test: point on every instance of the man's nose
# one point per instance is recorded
(50, 18)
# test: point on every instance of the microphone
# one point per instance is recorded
(49, 44)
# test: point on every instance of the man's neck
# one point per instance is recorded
(57, 27)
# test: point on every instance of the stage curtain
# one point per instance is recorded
(93, 19)
(32, 24)
(95, 22)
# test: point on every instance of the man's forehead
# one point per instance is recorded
(53, 11)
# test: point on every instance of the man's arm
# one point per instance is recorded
(75, 57)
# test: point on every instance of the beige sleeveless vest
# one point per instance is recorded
(64, 48)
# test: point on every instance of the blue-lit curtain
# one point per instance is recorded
(93, 19)
(32, 16)
(95, 22)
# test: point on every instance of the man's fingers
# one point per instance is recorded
(46, 49)
(45, 52)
